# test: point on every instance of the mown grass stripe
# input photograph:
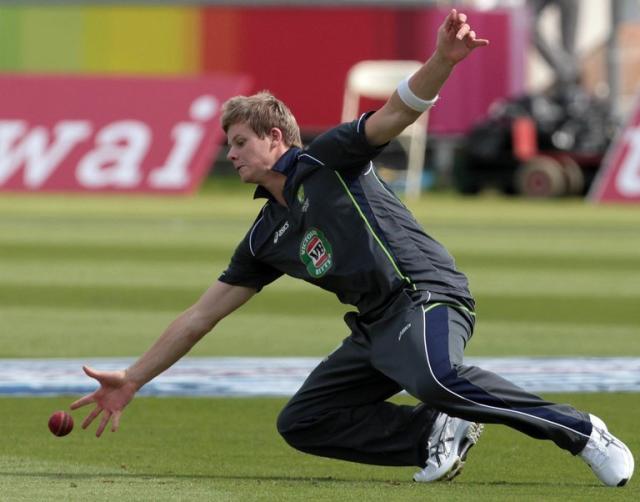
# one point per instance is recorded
(107, 252)
(567, 309)
(205, 252)
(551, 282)
(112, 332)
(531, 261)
(159, 299)
(548, 338)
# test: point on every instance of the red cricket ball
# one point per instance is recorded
(60, 423)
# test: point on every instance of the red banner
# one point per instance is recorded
(61, 133)
(619, 176)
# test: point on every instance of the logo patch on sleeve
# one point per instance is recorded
(300, 194)
(316, 253)
(304, 201)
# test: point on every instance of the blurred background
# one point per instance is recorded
(109, 116)
(533, 114)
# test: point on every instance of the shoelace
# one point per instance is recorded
(440, 449)
(600, 446)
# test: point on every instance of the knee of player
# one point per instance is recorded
(283, 423)
(288, 421)
(291, 427)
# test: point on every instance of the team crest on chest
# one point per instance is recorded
(316, 253)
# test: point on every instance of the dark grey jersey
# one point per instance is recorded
(343, 230)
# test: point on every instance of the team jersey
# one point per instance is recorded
(344, 230)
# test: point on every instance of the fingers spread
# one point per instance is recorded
(115, 421)
(103, 423)
(87, 421)
(83, 401)
(90, 372)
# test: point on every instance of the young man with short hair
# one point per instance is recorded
(331, 221)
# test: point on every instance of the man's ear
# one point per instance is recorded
(275, 135)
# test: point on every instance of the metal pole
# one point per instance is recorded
(613, 59)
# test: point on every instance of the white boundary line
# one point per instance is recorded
(282, 376)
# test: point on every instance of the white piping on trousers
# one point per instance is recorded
(426, 352)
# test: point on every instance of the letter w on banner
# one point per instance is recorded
(62, 133)
(619, 176)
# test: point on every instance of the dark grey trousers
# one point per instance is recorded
(341, 409)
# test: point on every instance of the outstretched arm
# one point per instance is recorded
(117, 388)
(456, 40)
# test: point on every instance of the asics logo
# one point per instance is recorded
(403, 331)
(280, 232)
(607, 439)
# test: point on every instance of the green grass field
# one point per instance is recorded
(102, 276)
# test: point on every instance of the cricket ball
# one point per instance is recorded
(60, 423)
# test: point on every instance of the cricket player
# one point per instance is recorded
(330, 220)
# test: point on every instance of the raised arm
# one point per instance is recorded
(455, 41)
(117, 388)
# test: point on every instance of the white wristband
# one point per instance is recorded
(411, 100)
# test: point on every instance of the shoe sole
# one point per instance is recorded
(470, 439)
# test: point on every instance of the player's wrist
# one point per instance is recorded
(410, 99)
(440, 58)
(132, 382)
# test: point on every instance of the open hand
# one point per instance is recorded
(456, 39)
(114, 394)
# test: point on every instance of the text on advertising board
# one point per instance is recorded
(110, 134)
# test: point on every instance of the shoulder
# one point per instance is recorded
(342, 147)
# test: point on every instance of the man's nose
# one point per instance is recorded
(231, 154)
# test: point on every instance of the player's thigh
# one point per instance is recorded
(345, 378)
(422, 350)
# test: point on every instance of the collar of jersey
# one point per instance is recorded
(284, 165)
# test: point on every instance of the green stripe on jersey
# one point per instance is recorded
(375, 236)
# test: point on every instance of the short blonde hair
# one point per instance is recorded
(261, 112)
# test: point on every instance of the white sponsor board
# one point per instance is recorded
(619, 176)
(245, 376)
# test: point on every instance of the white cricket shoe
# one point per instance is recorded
(609, 458)
(447, 447)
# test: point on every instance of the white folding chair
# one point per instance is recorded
(378, 79)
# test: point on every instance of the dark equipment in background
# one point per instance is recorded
(536, 145)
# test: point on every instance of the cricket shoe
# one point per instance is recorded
(609, 458)
(447, 448)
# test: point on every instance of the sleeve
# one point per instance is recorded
(245, 270)
(345, 147)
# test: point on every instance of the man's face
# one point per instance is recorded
(251, 155)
